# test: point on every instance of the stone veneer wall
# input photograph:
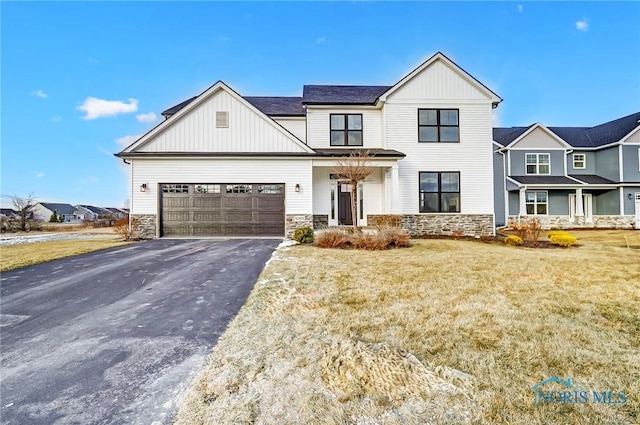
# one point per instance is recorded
(295, 221)
(439, 224)
(320, 221)
(146, 228)
(598, 221)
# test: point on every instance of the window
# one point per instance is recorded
(207, 188)
(222, 119)
(579, 161)
(438, 125)
(346, 129)
(439, 192)
(239, 188)
(537, 203)
(175, 188)
(538, 163)
(270, 189)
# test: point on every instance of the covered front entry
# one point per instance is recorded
(213, 209)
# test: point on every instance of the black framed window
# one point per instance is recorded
(346, 129)
(438, 125)
(439, 192)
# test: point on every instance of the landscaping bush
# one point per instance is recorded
(368, 241)
(394, 236)
(563, 239)
(331, 238)
(513, 240)
(121, 228)
(527, 229)
(303, 235)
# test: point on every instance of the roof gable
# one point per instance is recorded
(193, 128)
(445, 64)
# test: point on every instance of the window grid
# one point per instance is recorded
(175, 188)
(345, 129)
(438, 126)
(439, 192)
(537, 202)
(579, 161)
(538, 163)
(206, 188)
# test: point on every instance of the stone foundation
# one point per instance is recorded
(146, 227)
(320, 221)
(597, 222)
(438, 224)
(295, 221)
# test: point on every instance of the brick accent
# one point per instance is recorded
(320, 221)
(438, 224)
(295, 221)
(597, 222)
(146, 228)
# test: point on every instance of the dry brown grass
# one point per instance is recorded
(444, 332)
(22, 255)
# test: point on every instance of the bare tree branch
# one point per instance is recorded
(23, 207)
(355, 169)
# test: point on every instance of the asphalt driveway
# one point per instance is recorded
(112, 337)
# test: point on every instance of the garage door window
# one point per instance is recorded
(270, 189)
(175, 188)
(207, 188)
(238, 188)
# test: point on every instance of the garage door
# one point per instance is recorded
(222, 209)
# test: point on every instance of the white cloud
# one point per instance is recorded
(125, 141)
(40, 175)
(39, 93)
(320, 40)
(98, 108)
(56, 119)
(520, 8)
(582, 25)
(150, 117)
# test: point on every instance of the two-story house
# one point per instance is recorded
(226, 164)
(569, 176)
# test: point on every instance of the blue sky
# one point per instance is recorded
(80, 79)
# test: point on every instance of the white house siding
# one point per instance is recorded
(197, 132)
(538, 139)
(319, 131)
(297, 126)
(472, 157)
(156, 171)
(373, 191)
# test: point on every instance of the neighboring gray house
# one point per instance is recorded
(8, 213)
(569, 176)
(117, 213)
(91, 213)
(42, 211)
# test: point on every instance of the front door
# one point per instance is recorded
(344, 205)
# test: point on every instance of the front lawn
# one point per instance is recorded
(443, 332)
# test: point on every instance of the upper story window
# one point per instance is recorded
(538, 163)
(579, 161)
(439, 192)
(438, 125)
(346, 129)
(222, 119)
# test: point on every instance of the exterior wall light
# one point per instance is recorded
(143, 187)
(630, 196)
(297, 187)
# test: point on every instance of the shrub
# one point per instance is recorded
(53, 218)
(121, 228)
(513, 240)
(563, 239)
(556, 232)
(528, 229)
(331, 238)
(368, 241)
(303, 235)
(394, 237)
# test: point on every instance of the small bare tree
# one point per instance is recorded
(23, 207)
(355, 169)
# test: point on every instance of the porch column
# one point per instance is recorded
(523, 202)
(579, 206)
(395, 190)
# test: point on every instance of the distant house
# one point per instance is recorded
(117, 213)
(91, 213)
(42, 211)
(8, 213)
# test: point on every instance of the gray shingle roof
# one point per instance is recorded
(591, 179)
(543, 180)
(277, 106)
(342, 152)
(95, 210)
(174, 109)
(342, 95)
(578, 137)
(65, 209)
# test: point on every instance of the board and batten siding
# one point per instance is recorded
(156, 171)
(297, 126)
(196, 131)
(319, 130)
(472, 156)
(373, 191)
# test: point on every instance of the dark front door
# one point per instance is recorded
(344, 206)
